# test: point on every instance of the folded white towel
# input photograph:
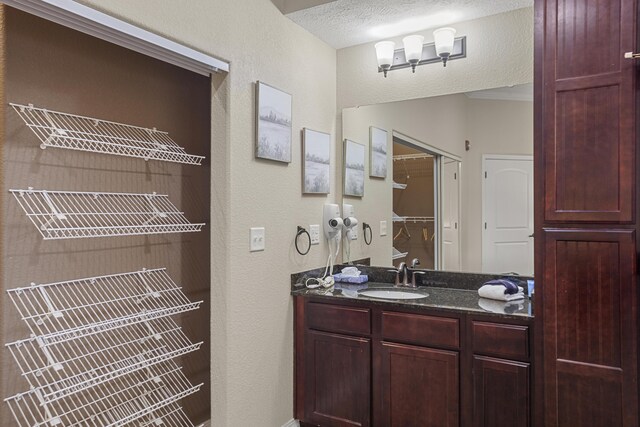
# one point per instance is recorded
(496, 292)
(500, 307)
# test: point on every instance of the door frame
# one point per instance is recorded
(485, 158)
(459, 184)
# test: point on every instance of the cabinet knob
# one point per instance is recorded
(631, 55)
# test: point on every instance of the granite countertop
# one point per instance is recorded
(442, 298)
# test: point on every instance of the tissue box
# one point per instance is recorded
(363, 278)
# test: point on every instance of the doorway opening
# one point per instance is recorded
(426, 205)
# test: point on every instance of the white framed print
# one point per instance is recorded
(273, 123)
(354, 158)
(377, 152)
(316, 162)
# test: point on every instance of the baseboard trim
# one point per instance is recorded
(290, 423)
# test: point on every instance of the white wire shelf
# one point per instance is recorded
(73, 132)
(61, 369)
(398, 186)
(71, 214)
(139, 396)
(419, 219)
(398, 157)
(397, 218)
(396, 254)
(63, 311)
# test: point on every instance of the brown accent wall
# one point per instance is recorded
(415, 200)
(61, 69)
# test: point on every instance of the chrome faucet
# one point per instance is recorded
(403, 271)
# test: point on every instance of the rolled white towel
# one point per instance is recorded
(497, 293)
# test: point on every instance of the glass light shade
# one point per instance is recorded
(444, 38)
(413, 48)
(384, 52)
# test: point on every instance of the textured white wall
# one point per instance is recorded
(252, 323)
(444, 122)
(499, 53)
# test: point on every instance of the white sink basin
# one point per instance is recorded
(394, 294)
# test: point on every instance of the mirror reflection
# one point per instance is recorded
(458, 190)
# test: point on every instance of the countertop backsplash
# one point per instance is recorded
(432, 278)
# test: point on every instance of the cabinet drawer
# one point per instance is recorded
(422, 330)
(336, 318)
(509, 341)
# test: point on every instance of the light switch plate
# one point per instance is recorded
(383, 228)
(257, 239)
(314, 232)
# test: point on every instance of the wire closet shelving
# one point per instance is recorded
(101, 350)
(74, 214)
(73, 132)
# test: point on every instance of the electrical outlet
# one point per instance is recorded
(383, 228)
(354, 233)
(257, 239)
(314, 232)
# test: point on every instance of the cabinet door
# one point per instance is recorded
(588, 109)
(417, 387)
(590, 328)
(501, 395)
(337, 380)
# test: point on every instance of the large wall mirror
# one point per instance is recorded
(458, 193)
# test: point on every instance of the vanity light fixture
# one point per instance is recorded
(413, 50)
(384, 52)
(444, 39)
(445, 47)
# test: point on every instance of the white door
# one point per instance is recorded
(450, 215)
(507, 214)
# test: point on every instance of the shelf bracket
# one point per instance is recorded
(50, 359)
(159, 146)
(152, 332)
(56, 131)
(150, 292)
(54, 421)
(157, 213)
(55, 213)
(52, 309)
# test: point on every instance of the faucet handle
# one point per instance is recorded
(413, 277)
(397, 271)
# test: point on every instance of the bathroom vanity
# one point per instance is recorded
(439, 361)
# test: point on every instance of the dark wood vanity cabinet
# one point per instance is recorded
(500, 392)
(417, 386)
(368, 366)
(338, 373)
(336, 365)
(501, 374)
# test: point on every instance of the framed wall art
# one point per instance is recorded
(354, 158)
(273, 118)
(377, 152)
(316, 164)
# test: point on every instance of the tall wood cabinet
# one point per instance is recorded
(586, 215)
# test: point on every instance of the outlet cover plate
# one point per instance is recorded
(257, 239)
(314, 232)
(383, 228)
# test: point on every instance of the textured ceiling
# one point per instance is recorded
(345, 23)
